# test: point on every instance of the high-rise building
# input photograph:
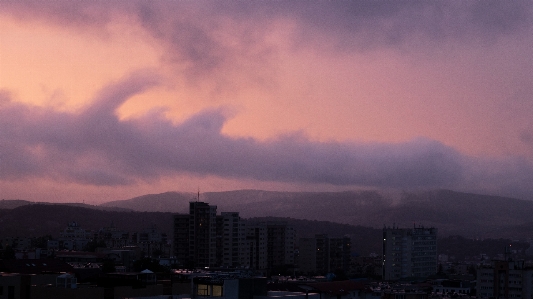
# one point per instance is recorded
(203, 239)
(194, 242)
(254, 255)
(409, 252)
(230, 239)
(180, 244)
(322, 254)
(202, 234)
(268, 245)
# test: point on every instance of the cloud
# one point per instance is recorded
(94, 147)
(215, 37)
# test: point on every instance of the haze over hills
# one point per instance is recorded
(360, 215)
(454, 213)
(15, 203)
(174, 202)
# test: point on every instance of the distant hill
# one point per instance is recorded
(35, 220)
(173, 202)
(13, 203)
(40, 219)
(453, 213)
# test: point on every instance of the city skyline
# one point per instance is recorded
(104, 101)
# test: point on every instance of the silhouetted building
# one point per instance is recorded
(268, 245)
(409, 252)
(203, 239)
(202, 234)
(151, 241)
(322, 255)
(180, 244)
(230, 239)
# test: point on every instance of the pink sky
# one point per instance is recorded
(107, 100)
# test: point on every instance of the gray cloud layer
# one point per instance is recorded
(94, 147)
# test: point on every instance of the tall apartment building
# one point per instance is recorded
(268, 245)
(230, 239)
(202, 234)
(203, 239)
(280, 245)
(505, 279)
(180, 243)
(409, 252)
(194, 243)
(254, 255)
(322, 255)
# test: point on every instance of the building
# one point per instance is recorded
(268, 245)
(151, 241)
(195, 236)
(73, 237)
(113, 237)
(230, 239)
(180, 244)
(504, 279)
(409, 252)
(254, 255)
(322, 254)
(203, 239)
(202, 234)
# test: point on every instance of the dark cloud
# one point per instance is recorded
(94, 147)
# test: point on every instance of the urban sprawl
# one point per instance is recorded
(223, 255)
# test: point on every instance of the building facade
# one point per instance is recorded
(409, 252)
(504, 280)
(203, 239)
(322, 254)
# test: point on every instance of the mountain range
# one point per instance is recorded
(453, 213)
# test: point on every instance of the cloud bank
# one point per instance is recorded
(94, 147)
(237, 46)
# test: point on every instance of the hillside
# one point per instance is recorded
(454, 213)
(41, 219)
(44, 219)
(13, 203)
(173, 202)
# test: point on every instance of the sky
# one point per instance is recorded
(108, 100)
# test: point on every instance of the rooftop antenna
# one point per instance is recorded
(198, 198)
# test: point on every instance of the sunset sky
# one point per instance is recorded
(107, 100)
